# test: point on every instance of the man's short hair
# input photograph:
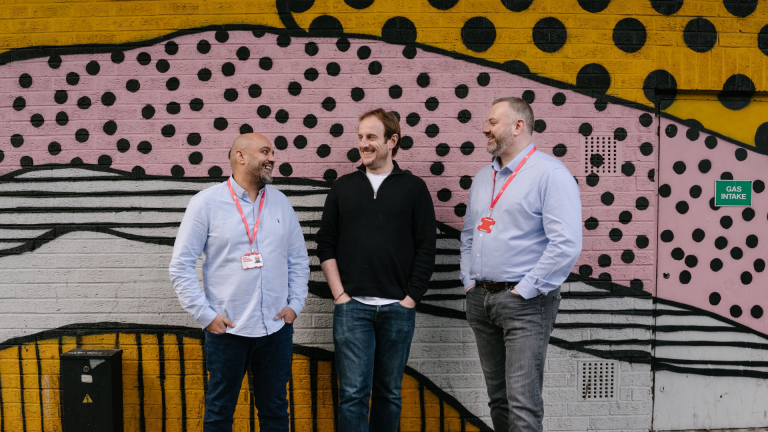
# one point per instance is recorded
(521, 108)
(391, 125)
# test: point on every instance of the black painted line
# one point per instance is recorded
(744, 373)
(313, 366)
(442, 417)
(252, 401)
(704, 343)
(633, 355)
(140, 373)
(291, 408)
(334, 394)
(741, 363)
(710, 315)
(161, 371)
(422, 408)
(21, 391)
(638, 312)
(27, 210)
(87, 225)
(610, 342)
(182, 383)
(603, 326)
(695, 328)
(2, 409)
(40, 386)
(205, 365)
(118, 194)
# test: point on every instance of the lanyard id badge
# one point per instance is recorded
(487, 222)
(253, 259)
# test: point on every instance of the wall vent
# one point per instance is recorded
(597, 380)
(601, 155)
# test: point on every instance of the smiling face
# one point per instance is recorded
(499, 128)
(375, 150)
(253, 157)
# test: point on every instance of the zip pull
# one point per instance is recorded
(374, 195)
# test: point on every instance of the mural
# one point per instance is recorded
(102, 146)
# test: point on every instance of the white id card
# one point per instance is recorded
(251, 260)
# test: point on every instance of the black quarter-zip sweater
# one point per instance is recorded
(384, 245)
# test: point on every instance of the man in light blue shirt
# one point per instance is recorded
(254, 287)
(520, 240)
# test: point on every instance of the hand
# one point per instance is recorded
(408, 302)
(470, 287)
(514, 291)
(343, 298)
(219, 325)
(287, 314)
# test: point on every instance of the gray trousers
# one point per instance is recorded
(512, 336)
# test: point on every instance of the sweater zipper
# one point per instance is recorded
(375, 192)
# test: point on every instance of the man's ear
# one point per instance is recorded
(519, 127)
(392, 142)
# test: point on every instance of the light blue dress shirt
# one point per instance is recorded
(251, 298)
(537, 236)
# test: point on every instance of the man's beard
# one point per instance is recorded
(500, 144)
(379, 160)
(258, 172)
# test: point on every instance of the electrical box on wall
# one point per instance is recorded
(92, 390)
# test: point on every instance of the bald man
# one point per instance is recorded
(255, 273)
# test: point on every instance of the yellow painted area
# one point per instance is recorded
(157, 384)
(708, 110)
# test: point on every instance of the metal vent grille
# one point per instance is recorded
(597, 380)
(601, 155)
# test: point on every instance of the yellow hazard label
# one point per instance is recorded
(87, 399)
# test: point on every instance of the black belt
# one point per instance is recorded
(496, 286)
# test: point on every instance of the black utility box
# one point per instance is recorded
(92, 390)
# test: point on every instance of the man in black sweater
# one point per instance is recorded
(376, 245)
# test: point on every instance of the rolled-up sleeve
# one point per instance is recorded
(561, 213)
(188, 247)
(298, 267)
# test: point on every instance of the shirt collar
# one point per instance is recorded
(239, 191)
(514, 162)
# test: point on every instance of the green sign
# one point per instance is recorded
(733, 193)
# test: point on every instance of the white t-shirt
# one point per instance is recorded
(376, 180)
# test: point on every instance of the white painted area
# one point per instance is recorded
(704, 402)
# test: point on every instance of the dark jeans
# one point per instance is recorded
(228, 359)
(512, 336)
(372, 345)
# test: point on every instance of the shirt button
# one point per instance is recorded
(478, 254)
(481, 235)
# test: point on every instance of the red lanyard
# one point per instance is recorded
(242, 215)
(503, 188)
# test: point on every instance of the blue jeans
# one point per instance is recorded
(228, 358)
(512, 336)
(372, 346)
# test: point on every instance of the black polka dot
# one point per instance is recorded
(467, 148)
(432, 130)
(685, 277)
(423, 80)
(353, 155)
(172, 84)
(443, 4)
(107, 99)
(483, 79)
(549, 34)
(431, 104)
(460, 209)
(735, 311)
(283, 40)
(604, 260)
(721, 243)
(228, 69)
(110, 127)
(737, 92)
(756, 312)
(168, 131)
(73, 78)
(171, 48)
(37, 120)
(625, 217)
(144, 58)
(177, 171)
(615, 234)
(374, 68)
(195, 104)
(667, 7)
(294, 88)
(464, 116)
(324, 26)
(465, 182)
(585, 129)
(593, 179)
(716, 265)
(594, 6)
(646, 120)
(442, 149)
(748, 214)
(136, 172)
(162, 66)
(203, 47)
(223, 35)
(19, 103)
(333, 69)
(54, 61)
(357, 94)
(26, 161)
(311, 74)
(25, 80)
(398, 30)
(337, 130)
(681, 207)
(740, 154)
(323, 151)
(628, 168)
(726, 222)
(646, 149)
(246, 128)
(679, 167)
(54, 148)
(330, 175)
(412, 119)
(558, 99)
(265, 63)
(437, 168)
(516, 5)
(62, 118)
(591, 223)
(363, 52)
(84, 102)
(195, 158)
(560, 150)
(281, 116)
(281, 143)
(627, 256)
(220, 123)
(596, 160)
(194, 139)
(607, 198)
(478, 34)
(710, 142)
(651, 174)
(660, 87)
(132, 85)
(667, 236)
(82, 135)
(758, 186)
(61, 97)
(641, 203)
(642, 242)
(310, 121)
(585, 271)
(230, 95)
(629, 35)
(698, 235)
(726, 176)
(406, 142)
(105, 160)
(691, 261)
(694, 129)
(92, 68)
(751, 241)
(695, 191)
(714, 299)
(148, 112)
(759, 265)
(539, 126)
(740, 8)
(671, 131)
(593, 79)
(700, 35)
(705, 165)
